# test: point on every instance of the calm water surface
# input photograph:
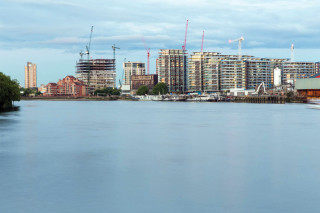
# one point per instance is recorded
(119, 157)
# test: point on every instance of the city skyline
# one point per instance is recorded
(52, 33)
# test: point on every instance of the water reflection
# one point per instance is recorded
(166, 157)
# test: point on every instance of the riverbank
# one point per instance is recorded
(9, 109)
(178, 98)
(71, 98)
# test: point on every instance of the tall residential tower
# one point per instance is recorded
(172, 69)
(30, 72)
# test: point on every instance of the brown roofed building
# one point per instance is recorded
(69, 86)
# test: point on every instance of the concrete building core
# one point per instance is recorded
(30, 73)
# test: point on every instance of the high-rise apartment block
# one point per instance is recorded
(30, 72)
(172, 69)
(97, 73)
(212, 71)
(132, 68)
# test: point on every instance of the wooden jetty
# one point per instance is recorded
(260, 99)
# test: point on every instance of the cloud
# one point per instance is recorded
(48, 2)
(64, 25)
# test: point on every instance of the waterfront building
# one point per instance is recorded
(291, 71)
(309, 87)
(132, 68)
(147, 80)
(232, 72)
(203, 72)
(172, 69)
(97, 73)
(30, 73)
(69, 86)
(42, 88)
(212, 72)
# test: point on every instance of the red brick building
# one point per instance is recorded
(147, 80)
(69, 86)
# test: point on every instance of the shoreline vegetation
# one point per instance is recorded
(9, 92)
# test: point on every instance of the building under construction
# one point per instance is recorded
(97, 73)
(172, 69)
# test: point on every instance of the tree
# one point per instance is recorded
(108, 91)
(116, 91)
(289, 97)
(160, 88)
(9, 91)
(143, 90)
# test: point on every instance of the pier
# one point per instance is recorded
(261, 99)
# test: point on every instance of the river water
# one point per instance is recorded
(119, 157)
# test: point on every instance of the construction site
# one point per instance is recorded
(201, 72)
(97, 73)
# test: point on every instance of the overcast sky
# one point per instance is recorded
(51, 33)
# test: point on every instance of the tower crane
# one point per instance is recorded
(114, 47)
(148, 55)
(292, 52)
(185, 36)
(87, 52)
(239, 45)
(202, 41)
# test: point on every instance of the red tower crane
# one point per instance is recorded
(148, 54)
(185, 37)
(202, 41)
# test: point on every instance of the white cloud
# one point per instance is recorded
(48, 2)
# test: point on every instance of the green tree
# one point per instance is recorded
(143, 90)
(115, 91)
(9, 91)
(289, 97)
(160, 88)
(108, 91)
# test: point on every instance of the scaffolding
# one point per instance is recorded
(97, 73)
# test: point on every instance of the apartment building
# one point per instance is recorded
(30, 72)
(172, 69)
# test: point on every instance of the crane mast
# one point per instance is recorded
(148, 55)
(292, 52)
(202, 41)
(239, 40)
(87, 52)
(114, 47)
(185, 36)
